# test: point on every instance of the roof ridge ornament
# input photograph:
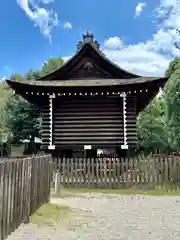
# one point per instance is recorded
(88, 37)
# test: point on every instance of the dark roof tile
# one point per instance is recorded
(89, 82)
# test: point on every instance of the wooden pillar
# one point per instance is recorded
(125, 145)
(51, 146)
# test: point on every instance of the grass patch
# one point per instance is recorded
(50, 215)
(78, 191)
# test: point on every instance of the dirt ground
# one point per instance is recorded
(98, 216)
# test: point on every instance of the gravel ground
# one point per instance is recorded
(111, 217)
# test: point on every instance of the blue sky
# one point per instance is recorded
(137, 35)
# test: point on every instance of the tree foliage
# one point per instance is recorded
(23, 118)
(172, 100)
(32, 75)
(159, 123)
(16, 76)
(177, 45)
(151, 126)
(51, 65)
(173, 66)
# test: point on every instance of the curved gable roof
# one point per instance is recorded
(89, 49)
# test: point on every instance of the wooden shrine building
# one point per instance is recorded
(89, 102)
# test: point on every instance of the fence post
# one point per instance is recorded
(57, 183)
(28, 166)
(49, 169)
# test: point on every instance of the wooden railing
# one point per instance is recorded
(141, 172)
(24, 186)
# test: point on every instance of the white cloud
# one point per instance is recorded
(140, 58)
(67, 25)
(139, 9)
(168, 13)
(113, 43)
(3, 79)
(66, 58)
(43, 18)
(152, 57)
(6, 67)
(47, 1)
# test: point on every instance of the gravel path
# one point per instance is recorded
(111, 217)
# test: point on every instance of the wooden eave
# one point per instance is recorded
(138, 85)
(139, 81)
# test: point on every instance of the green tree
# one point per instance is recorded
(32, 75)
(152, 126)
(177, 45)
(159, 124)
(24, 119)
(173, 66)
(51, 65)
(4, 130)
(16, 76)
(172, 99)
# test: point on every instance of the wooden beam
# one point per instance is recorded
(51, 146)
(125, 145)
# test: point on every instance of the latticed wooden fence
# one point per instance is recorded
(24, 186)
(141, 172)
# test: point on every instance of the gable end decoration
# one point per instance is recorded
(88, 65)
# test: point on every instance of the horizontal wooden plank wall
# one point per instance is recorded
(131, 121)
(95, 121)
